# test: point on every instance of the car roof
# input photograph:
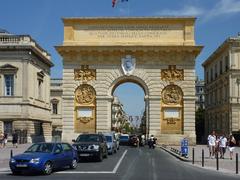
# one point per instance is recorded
(108, 134)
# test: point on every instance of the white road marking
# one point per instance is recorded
(114, 171)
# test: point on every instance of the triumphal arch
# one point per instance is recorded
(157, 53)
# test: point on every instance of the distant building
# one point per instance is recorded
(222, 80)
(56, 107)
(200, 94)
(24, 87)
(119, 116)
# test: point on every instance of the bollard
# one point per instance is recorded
(217, 161)
(11, 153)
(192, 155)
(236, 163)
(202, 157)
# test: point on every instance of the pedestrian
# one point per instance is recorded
(1, 139)
(223, 145)
(5, 139)
(217, 145)
(231, 144)
(143, 139)
(15, 139)
(211, 144)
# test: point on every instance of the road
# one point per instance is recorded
(131, 164)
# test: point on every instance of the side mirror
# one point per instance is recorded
(73, 140)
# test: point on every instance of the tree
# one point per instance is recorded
(199, 124)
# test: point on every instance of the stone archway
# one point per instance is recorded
(138, 81)
(154, 52)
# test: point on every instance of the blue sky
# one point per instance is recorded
(216, 19)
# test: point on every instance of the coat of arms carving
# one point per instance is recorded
(128, 65)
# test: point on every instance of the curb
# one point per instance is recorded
(177, 156)
(225, 171)
(4, 170)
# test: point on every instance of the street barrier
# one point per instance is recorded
(193, 156)
(202, 157)
(236, 163)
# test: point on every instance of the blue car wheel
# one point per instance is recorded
(48, 168)
(74, 164)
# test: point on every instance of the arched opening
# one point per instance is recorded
(129, 114)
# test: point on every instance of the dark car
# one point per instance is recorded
(91, 145)
(134, 140)
(44, 158)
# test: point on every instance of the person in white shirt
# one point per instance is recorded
(212, 144)
(223, 145)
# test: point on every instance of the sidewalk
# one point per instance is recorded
(225, 165)
(5, 154)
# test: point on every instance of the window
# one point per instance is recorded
(8, 127)
(207, 78)
(211, 74)
(216, 73)
(40, 78)
(55, 108)
(66, 147)
(220, 67)
(9, 84)
(40, 89)
(226, 63)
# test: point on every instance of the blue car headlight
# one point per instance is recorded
(12, 160)
(35, 160)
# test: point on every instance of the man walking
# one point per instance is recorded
(212, 144)
(223, 145)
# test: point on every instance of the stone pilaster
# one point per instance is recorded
(1, 126)
(47, 131)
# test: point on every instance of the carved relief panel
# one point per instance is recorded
(172, 110)
(85, 107)
(84, 74)
(172, 74)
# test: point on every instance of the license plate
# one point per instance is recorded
(21, 165)
(84, 155)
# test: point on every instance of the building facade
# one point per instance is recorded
(156, 53)
(222, 80)
(119, 116)
(200, 86)
(24, 88)
(56, 108)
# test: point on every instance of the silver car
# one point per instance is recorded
(111, 143)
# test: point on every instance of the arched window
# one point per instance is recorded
(54, 103)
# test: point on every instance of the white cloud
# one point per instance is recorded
(186, 11)
(223, 7)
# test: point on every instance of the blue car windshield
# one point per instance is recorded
(43, 147)
(109, 138)
(88, 138)
(124, 137)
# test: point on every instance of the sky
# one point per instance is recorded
(216, 20)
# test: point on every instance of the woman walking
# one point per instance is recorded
(231, 144)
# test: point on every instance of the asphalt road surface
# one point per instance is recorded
(132, 164)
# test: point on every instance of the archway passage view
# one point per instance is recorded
(156, 53)
(128, 109)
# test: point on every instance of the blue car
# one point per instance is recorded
(44, 158)
(124, 139)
